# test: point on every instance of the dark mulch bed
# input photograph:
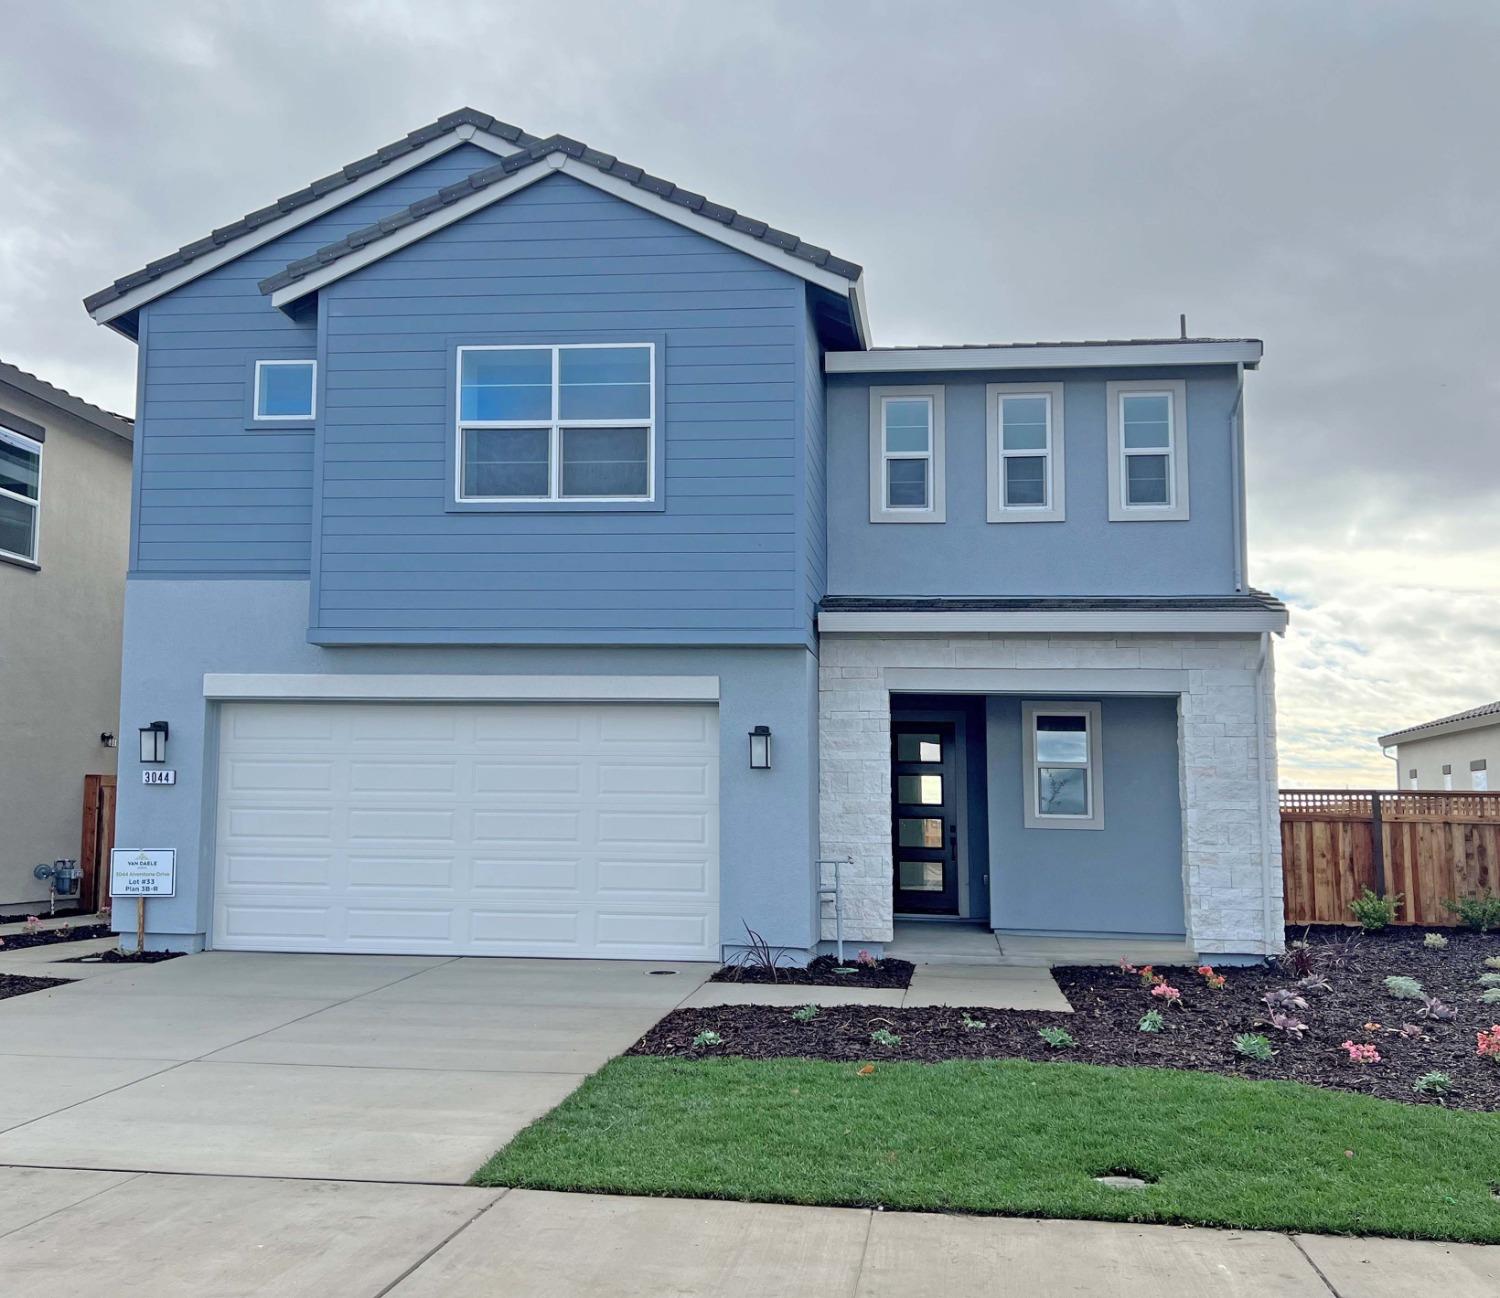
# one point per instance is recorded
(1109, 1003)
(823, 972)
(47, 936)
(16, 985)
(62, 912)
(124, 957)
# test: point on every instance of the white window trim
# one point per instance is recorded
(1055, 508)
(1176, 508)
(34, 559)
(1091, 712)
(936, 510)
(556, 426)
(312, 412)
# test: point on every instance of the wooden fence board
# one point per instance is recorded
(1431, 847)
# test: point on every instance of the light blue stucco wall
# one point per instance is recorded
(561, 262)
(1084, 555)
(176, 631)
(1125, 879)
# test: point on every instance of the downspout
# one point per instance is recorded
(1237, 469)
(1269, 920)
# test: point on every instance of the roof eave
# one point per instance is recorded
(1041, 356)
(1249, 621)
(1414, 734)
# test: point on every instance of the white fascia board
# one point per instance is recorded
(271, 687)
(552, 165)
(1040, 682)
(1416, 736)
(298, 217)
(1090, 355)
(1154, 622)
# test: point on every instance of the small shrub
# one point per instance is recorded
(1404, 988)
(708, 1037)
(1251, 1045)
(1127, 967)
(805, 1013)
(1151, 1021)
(1283, 999)
(1375, 912)
(1490, 996)
(1479, 913)
(1167, 994)
(1213, 981)
(1435, 942)
(1149, 977)
(1410, 1032)
(1492, 962)
(1489, 980)
(1315, 983)
(760, 957)
(1288, 1023)
(865, 960)
(1434, 1009)
(885, 1037)
(32, 926)
(973, 1024)
(1360, 1053)
(1057, 1038)
(1433, 1083)
(1488, 1044)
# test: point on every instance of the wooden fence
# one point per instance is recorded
(98, 838)
(1426, 846)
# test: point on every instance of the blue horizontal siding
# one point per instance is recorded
(560, 260)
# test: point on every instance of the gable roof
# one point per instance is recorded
(1485, 715)
(559, 153)
(107, 421)
(302, 205)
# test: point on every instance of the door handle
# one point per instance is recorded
(953, 839)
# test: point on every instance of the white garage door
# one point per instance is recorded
(481, 829)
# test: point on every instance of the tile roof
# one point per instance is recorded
(39, 389)
(307, 194)
(533, 154)
(1473, 714)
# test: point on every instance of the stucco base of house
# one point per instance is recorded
(1224, 844)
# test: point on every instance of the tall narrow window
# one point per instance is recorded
(1148, 451)
(1411, 778)
(20, 494)
(1447, 779)
(285, 390)
(564, 423)
(1479, 776)
(1025, 453)
(1063, 758)
(906, 455)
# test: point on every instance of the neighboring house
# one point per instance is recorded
(64, 524)
(532, 557)
(1455, 753)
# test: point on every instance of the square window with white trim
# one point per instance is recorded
(570, 422)
(1147, 451)
(285, 390)
(1024, 456)
(906, 455)
(1063, 765)
(20, 494)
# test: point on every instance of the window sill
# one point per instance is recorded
(1026, 516)
(908, 516)
(1148, 514)
(554, 506)
(282, 425)
(16, 561)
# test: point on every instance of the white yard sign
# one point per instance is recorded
(143, 872)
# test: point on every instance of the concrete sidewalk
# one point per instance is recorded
(75, 1234)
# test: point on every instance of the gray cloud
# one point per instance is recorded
(1318, 175)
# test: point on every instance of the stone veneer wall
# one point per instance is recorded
(1233, 896)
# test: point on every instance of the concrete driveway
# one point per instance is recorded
(367, 1068)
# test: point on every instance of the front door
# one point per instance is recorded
(924, 817)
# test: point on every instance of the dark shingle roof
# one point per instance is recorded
(1473, 714)
(40, 390)
(307, 194)
(533, 154)
(1255, 601)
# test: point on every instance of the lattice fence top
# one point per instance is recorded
(1394, 804)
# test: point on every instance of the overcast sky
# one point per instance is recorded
(1323, 176)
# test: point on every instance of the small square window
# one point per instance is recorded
(285, 389)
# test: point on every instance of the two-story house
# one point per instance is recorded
(533, 557)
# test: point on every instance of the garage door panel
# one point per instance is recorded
(504, 829)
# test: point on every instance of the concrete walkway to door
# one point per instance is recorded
(370, 1068)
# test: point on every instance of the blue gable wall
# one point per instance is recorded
(1084, 555)
(215, 497)
(560, 261)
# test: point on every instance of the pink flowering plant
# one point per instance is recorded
(1214, 981)
(32, 926)
(1488, 1044)
(1149, 977)
(1127, 967)
(865, 960)
(1360, 1053)
(1165, 992)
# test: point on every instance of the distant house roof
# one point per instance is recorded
(40, 390)
(1486, 715)
(301, 206)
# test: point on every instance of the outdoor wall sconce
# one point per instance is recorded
(760, 748)
(107, 738)
(154, 742)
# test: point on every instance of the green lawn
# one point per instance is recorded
(1021, 1139)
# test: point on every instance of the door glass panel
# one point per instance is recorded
(921, 876)
(919, 748)
(920, 832)
(1062, 791)
(1062, 739)
(923, 790)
